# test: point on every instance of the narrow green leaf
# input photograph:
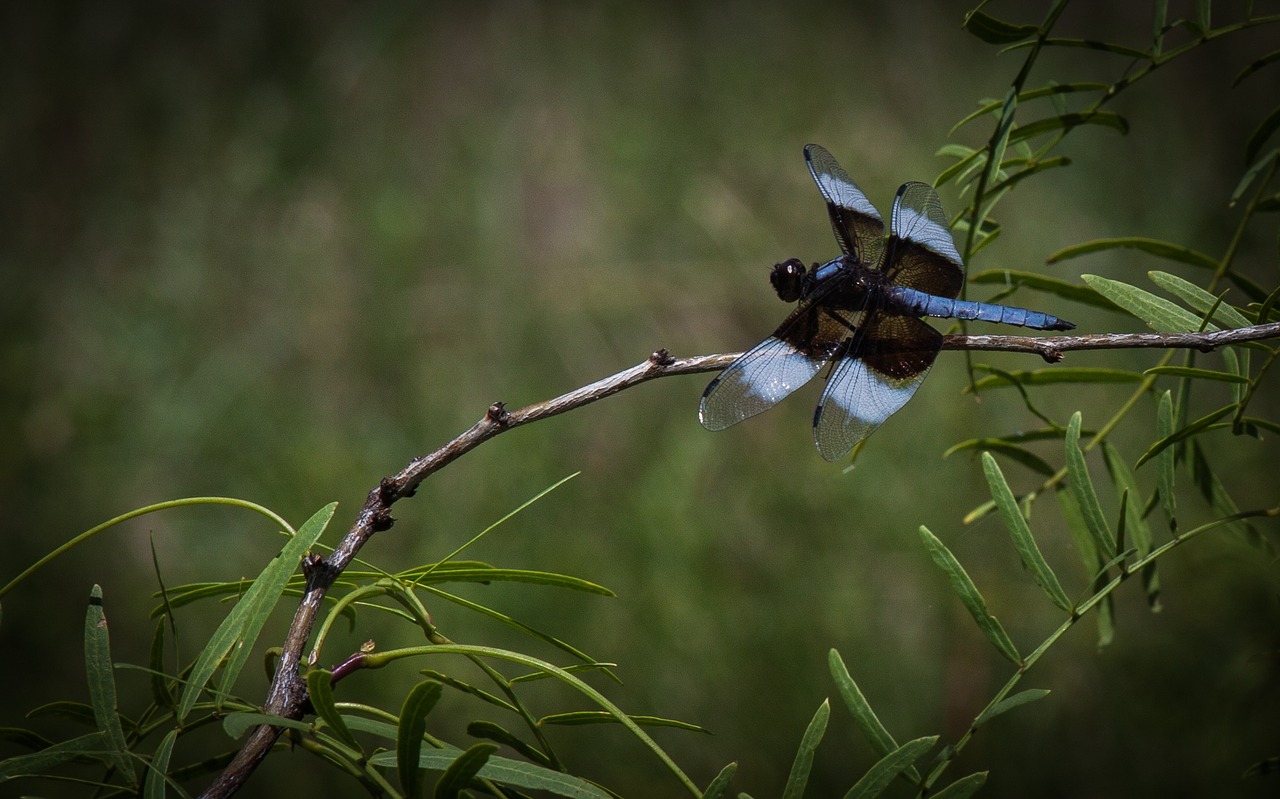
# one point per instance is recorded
(1009, 703)
(1162, 249)
(1011, 451)
(996, 31)
(1215, 493)
(501, 735)
(1200, 425)
(1199, 299)
(467, 688)
(1135, 522)
(1158, 313)
(1086, 497)
(999, 141)
(1268, 765)
(1092, 559)
(720, 784)
(1203, 18)
(973, 601)
(1255, 169)
(1269, 58)
(1196, 374)
(1049, 377)
(79, 712)
(1020, 532)
(580, 717)
(963, 788)
(1067, 122)
(492, 575)
(160, 691)
(1094, 44)
(155, 785)
(860, 708)
(462, 770)
(1165, 462)
(240, 629)
(320, 692)
(413, 724)
(240, 722)
(1269, 125)
(94, 745)
(507, 772)
(1032, 169)
(102, 685)
(887, 769)
(24, 738)
(803, 762)
(1158, 26)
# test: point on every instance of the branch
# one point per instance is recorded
(287, 696)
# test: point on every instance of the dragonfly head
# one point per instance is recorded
(789, 279)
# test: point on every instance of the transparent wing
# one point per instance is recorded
(921, 253)
(777, 366)
(885, 366)
(857, 224)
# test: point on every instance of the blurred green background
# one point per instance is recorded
(277, 250)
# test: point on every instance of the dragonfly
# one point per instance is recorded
(861, 312)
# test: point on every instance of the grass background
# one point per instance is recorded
(277, 250)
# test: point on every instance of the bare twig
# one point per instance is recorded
(287, 696)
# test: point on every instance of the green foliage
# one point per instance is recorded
(1179, 411)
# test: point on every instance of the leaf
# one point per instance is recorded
(240, 629)
(1092, 560)
(1165, 462)
(413, 724)
(78, 712)
(1158, 313)
(467, 688)
(500, 735)
(1086, 497)
(887, 769)
(1094, 44)
(1198, 426)
(1123, 480)
(1269, 58)
(860, 709)
(1255, 169)
(996, 31)
(1009, 703)
(462, 770)
(969, 595)
(507, 772)
(238, 723)
(1265, 128)
(155, 784)
(92, 745)
(800, 767)
(1161, 249)
(320, 692)
(1020, 532)
(102, 685)
(1048, 377)
(580, 717)
(963, 788)
(489, 574)
(160, 691)
(721, 783)
(1011, 451)
(1065, 122)
(1199, 299)
(1196, 374)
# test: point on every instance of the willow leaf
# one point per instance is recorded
(157, 770)
(1009, 703)
(1047, 377)
(102, 685)
(1092, 559)
(970, 596)
(462, 770)
(1135, 522)
(1020, 532)
(1198, 426)
(320, 692)
(993, 30)
(1067, 122)
(417, 705)
(1095, 44)
(1165, 461)
(1009, 450)
(887, 769)
(1196, 374)
(801, 766)
(859, 708)
(962, 788)
(501, 735)
(1162, 249)
(720, 784)
(506, 771)
(1199, 299)
(1086, 497)
(1265, 128)
(1269, 58)
(1158, 313)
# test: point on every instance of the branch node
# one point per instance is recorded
(497, 414)
(662, 357)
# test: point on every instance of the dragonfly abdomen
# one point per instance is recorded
(920, 303)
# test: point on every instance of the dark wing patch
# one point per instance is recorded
(921, 253)
(857, 224)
